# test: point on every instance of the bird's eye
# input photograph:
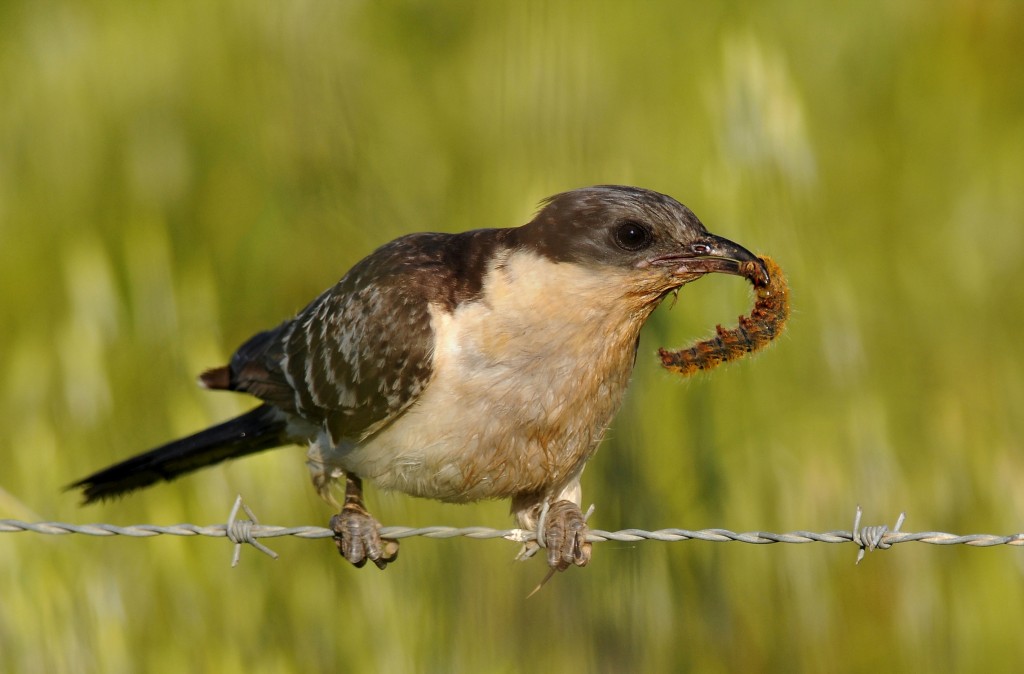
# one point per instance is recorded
(633, 236)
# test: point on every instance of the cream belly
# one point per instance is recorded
(526, 380)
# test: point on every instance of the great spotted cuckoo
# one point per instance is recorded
(458, 367)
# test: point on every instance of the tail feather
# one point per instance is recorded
(260, 429)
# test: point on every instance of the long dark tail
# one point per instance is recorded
(254, 431)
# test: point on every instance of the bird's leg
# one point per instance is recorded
(561, 528)
(357, 533)
(565, 535)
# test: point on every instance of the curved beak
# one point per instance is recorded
(714, 254)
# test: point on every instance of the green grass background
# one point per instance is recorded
(175, 176)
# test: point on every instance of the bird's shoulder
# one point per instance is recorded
(361, 352)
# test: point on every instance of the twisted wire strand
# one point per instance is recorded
(258, 531)
(249, 531)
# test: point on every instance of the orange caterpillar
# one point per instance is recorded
(754, 332)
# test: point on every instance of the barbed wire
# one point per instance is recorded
(249, 531)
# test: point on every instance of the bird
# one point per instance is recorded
(486, 364)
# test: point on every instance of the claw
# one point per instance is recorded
(357, 533)
(565, 536)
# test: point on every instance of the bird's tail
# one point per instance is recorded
(254, 431)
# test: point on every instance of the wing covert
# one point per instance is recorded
(360, 353)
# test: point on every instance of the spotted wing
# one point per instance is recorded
(360, 354)
(356, 356)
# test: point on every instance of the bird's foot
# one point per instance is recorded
(357, 535)
(562, 530)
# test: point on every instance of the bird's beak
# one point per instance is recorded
(711, 254)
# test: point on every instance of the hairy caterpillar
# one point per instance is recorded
(754, 332)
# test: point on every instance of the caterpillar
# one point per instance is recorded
(755, 331)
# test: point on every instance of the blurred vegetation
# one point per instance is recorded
(175, 176)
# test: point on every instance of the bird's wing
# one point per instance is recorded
(358, 355)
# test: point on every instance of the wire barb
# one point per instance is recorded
(870, 538)
(240, 531)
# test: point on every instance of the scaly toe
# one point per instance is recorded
(565, 536)
(357, 535)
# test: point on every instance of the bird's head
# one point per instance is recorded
(659, 241)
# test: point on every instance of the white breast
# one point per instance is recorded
(525, 381)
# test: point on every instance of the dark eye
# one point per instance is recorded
(633, 236)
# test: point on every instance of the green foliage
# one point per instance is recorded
(175, 176)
